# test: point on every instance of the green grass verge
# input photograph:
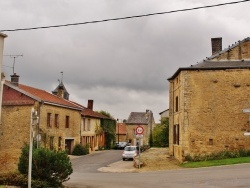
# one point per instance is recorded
(216, 162)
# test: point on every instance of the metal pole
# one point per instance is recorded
(139, 152)
(30, 149)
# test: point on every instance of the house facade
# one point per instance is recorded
(146, 121)
(121, 132)
(92, 133)
(206, 103)
(57, 129)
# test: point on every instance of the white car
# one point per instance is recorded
(129, 152)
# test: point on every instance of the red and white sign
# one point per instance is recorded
(139, 130)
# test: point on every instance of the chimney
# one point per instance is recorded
(216, 45)
(90, 104)
(14, 79)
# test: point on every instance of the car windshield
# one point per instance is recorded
(130, 148)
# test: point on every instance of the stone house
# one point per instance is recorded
(143, 119)
(121, 132)
(92, 133)
(57, 128)
(206, 102)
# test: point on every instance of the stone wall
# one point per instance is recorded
(210, 116)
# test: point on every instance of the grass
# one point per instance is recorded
(216, 162)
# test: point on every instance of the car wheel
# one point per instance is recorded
(123, 159)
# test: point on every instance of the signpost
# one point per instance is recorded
(139, 134)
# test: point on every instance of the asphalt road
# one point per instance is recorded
(86, 175)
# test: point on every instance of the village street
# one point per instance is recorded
(86, 174)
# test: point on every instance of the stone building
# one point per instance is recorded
(57, 128)
(92, 133)
(121, 132)
(143, 119)
(206, 102)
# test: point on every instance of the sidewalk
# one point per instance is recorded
(119, 166)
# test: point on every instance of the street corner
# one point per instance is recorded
(119, 167)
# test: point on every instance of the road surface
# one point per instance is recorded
(86, 175)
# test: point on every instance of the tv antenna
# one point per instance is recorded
(60, 81)
(14, 57)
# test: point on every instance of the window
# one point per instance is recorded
(176, 103)
(51, 142)
(57, 120)
(49, 124)
(176, 136)
(88, 125)
(210, 142)
(67, 122)
(84, 125)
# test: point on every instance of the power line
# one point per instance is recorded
(128, 17)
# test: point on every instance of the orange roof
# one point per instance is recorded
(90, 113)
(42, 95)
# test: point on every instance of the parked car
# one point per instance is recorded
(120, 145)
(129, 152)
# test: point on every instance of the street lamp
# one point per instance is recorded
(33, 121)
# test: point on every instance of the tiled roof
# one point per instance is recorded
(215, 65)
(141, 118)
(90, 113)
(41, 95)
(121, 127)
(218, 65)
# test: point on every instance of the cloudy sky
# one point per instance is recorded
(122, 65)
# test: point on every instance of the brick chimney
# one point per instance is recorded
(216, 45)
(14, 79)
(90, 104)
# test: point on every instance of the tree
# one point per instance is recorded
(53, 167)
(109, 127)
(160, 133)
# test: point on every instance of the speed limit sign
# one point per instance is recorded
(139, 130)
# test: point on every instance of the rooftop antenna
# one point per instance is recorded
(14, 57)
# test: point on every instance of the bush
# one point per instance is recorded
(80, 150)
(20, 180)
(53, 167)
(218, 156)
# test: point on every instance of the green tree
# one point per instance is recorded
(49, 166)
(160, 133)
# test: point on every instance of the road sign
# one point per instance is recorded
(247, 134)
(246, 110)
(139, 130)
